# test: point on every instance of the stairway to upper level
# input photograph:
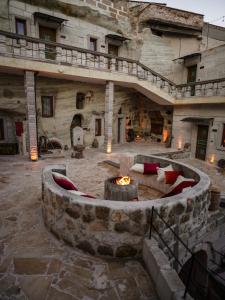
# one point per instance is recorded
(68, 62)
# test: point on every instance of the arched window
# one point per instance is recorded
(80, 100)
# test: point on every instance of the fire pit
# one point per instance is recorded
(121, 189)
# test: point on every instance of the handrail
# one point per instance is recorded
(177, 90)
(209, 272)
(83, 50)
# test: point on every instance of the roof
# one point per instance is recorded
(194, 54)
(197, 120)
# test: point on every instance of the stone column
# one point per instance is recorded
(31, 114)
(109, 98)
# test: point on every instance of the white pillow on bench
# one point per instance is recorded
(139, 168)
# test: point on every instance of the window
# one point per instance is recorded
(47, 106)
(2, 136)
(21, 27)
(98, 127)
(80, 100)
(93, 44)
(223, 136)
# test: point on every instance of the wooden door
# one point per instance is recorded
(191, 77)
(202, 139)
(113, 50)
(48, 35)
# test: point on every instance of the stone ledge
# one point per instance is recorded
(167, 282)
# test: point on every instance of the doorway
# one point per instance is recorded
(191, 77)
(119, 132)
(113, 50)
(48, 35)
(202, 139)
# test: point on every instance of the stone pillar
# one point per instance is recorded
(109, 98)
(31, 114)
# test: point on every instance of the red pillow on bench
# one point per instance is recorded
(179, 188)
(171, 176)
(151, 168)
(64, 181)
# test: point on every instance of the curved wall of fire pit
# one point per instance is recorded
(117, 228)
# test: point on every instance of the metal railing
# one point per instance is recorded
(15, 45)
(193, 285)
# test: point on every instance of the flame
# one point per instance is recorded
(125, 180)
(165, 135)
(33, 154)
(212, 159)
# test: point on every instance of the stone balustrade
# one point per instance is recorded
(117, 228)
(14, 45)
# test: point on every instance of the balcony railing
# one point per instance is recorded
(14, 45)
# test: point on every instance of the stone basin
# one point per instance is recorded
(117, 228)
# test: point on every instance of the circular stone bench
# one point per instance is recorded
(116, 228)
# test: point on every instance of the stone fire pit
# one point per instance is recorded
(118, 228)
(118, 192)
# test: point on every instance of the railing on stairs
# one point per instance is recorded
(192, 272)
(15, 45)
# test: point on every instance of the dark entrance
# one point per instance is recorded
(113, 50)
(48, 35)
(191, 77)
(202, 139)
(119, 129)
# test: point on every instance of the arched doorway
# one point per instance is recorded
(77, 121)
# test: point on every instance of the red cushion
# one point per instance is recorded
(171, 176)
(88, 196)
(151, 168)
(65, 183)
(178, 189)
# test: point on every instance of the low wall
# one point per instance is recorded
(117, 228)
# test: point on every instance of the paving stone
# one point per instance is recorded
(54, 266)
(54, 294)
(30, 266)
(35, 287)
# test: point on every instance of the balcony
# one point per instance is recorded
(65, 61)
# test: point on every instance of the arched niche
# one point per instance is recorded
(77, 121)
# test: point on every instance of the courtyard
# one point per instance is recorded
(35, 264)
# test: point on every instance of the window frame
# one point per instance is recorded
(92, 38)
(2, 130)
(24, 21)
(83, 103)
(99, 127)
(43, 113)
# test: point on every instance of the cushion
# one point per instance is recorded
(171, 176)
(179, 180)
(139, 168)
(151, 168)
(180, 187)
(64, 181)
(78, 193)
(161, 172)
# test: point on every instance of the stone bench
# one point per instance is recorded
(117, 228)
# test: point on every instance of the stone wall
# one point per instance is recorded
(118, 228)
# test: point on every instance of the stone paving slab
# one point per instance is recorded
(34, 265)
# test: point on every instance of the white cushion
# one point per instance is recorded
(180, 179)
(139, 168)
(161, 172)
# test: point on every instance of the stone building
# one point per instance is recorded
(119, 70)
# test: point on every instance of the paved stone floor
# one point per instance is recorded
(34, 264)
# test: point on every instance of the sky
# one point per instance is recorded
(212, 9)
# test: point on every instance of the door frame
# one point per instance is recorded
(197, 132)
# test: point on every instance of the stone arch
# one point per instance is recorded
(78, 120)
